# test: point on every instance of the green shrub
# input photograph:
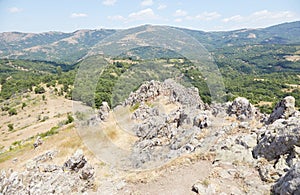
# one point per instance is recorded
(52, 131)
(134, 107)
(5, 108)
(10, 127)
(12, 111)
(39, 90)
(23, 105)
(70, 119)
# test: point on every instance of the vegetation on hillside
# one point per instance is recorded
(262, 68)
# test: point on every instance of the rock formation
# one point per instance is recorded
(247, 156)
(104, 111)
(165, 136)
(290, 183)
(176, 93)
(242, 109)
(283, 109)
(45, 178)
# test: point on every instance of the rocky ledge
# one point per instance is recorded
(43, 177)
(247, 139)
(250, 153)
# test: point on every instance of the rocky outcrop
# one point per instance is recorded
(278, 138)
(103, 112)
(40, 178)
(176, 93)
(144, 111)
(283, 109)
(37, 142)
(76, 162)
(242, 109)
(164, 136)
(290, 183)
(278, 143)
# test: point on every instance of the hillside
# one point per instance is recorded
(70, 47)
(50, 46)
(168, 140)
(150, 110)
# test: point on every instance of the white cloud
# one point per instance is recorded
(142, 15)
(262, 18)
(235, 18)
(208, 16)
(259, 19)
(15, 10)
(145, 14)
(109, 2)
(265, 14)
(180, 12)
(162, 6)
(116, 18)
(78, 15)
(147, 3)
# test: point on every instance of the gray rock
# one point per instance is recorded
(103, 112)
(203, 188)
(143, 112)
(76, 162)
(48, 156)
(278, 138)
(248, 141)
(37, 142)
(290, 183)
(86, 172)
(283, 109)
(242, 109)
(47, 179)
(176, 93)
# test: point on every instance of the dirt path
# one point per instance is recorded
(176, 182)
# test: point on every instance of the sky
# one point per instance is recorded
(214, 15)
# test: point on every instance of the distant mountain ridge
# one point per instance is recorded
(70, 47)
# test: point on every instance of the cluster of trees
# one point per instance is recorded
(257, 72)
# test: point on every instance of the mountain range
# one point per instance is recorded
(68, 48)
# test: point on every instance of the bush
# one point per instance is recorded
(10, 127)
(69, 120)
(12, 111)
(23, 105)
(52, 131)
(39, 90)
(5, 108)
(135, 107)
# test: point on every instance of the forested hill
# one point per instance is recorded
(68, 48)
(262, 65)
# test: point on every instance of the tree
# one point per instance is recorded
(58, 70)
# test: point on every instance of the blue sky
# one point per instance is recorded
(213, 15)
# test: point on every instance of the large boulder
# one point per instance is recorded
(242, 109)
(76, 162)
(290, 183)
(283, 109)
(278, 138)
